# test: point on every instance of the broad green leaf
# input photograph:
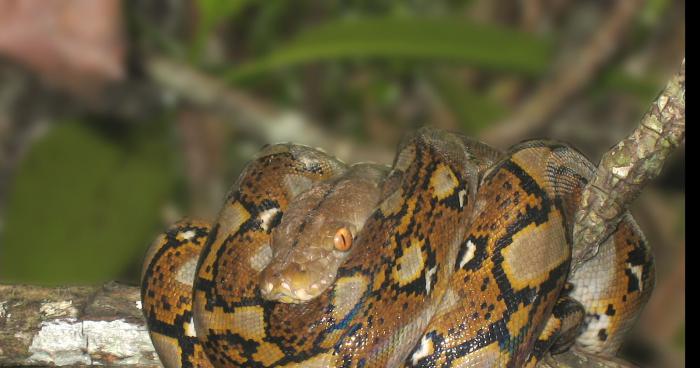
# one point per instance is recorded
(82, 208)
(447, 40)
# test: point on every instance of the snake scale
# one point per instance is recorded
(457, 255)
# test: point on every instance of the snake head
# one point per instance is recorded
(316, 234)
(305, 272)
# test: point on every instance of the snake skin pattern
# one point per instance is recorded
(464, 262)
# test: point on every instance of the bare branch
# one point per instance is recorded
(628, 167)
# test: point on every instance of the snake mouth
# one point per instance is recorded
(284, 291)
(292, 284)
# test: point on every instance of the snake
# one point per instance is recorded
(456, 255)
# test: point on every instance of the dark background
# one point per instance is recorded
(119, 117)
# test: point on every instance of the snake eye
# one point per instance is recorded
(343, 239)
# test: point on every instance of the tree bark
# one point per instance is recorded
(73, 326)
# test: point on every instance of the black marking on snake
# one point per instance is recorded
(610, 311)
(533, 215)
(636, 257)
(602, 334)
(497, 331)
(268, 204)
(223, 341)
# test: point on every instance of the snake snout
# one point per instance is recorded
(293, 284)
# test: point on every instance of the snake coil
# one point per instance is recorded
(464, 261)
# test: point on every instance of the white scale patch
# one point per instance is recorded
(595, 323)
(187, 235)
(426, 348)
(261, 258)
(637, 271)
(462, 195)
(429, 279)
(189, 329)
(468, 255)
(185, 274)
(267, 216)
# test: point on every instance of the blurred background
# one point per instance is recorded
(119, 117)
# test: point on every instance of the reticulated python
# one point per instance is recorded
(455, 256)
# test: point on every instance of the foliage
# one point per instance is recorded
(83, 206)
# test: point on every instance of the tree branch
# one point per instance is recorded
(628, 167)
(73, 326)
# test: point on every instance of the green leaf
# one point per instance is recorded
(82, 207)
(448, 40)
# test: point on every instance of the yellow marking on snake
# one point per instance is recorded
(545, 241)
(410, 265)
(268, 353)
(518, 320)
(443, 182)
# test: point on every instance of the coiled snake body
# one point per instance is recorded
(458, 256)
